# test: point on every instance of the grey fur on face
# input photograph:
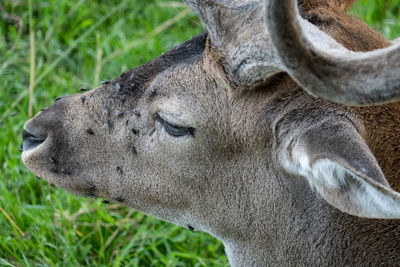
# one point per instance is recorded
(216, 135)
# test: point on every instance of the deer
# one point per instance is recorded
(276, 130)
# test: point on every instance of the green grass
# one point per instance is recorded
(79, 43)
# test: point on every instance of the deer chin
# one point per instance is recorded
(59, 176)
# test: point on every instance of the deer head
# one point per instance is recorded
(226, 132)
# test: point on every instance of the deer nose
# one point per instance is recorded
(31, 140)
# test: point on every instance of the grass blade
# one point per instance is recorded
(32, 61)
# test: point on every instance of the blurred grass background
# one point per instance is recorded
(77, 44)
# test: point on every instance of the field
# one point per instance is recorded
(51, 48)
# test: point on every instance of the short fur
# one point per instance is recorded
(243, 171)
(331, 17)
(382, 133)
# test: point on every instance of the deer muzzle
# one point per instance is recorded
(32, 140)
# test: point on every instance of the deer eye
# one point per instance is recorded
(174, 130)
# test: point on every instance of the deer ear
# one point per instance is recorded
(338, 164)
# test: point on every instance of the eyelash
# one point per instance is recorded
(174, 130)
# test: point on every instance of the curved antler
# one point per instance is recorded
(237, 31)
(348, 78)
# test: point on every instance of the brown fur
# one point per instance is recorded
(382, 134)
(332, 5)
(226, 177)
(382, 131)
(331, 17)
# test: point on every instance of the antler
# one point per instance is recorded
(237, 31)
(343, 77)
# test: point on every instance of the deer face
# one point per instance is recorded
(162, 138)
(208, 134)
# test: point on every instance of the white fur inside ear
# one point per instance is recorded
(343, 189)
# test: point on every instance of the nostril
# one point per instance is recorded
(31, 141)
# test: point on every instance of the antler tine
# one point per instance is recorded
(343, 77)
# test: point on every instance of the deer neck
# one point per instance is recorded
(311, 232)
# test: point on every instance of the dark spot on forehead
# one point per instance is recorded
(135, 81)
(132, 148)
(90, 131)
(136, 113)
(153, 92)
